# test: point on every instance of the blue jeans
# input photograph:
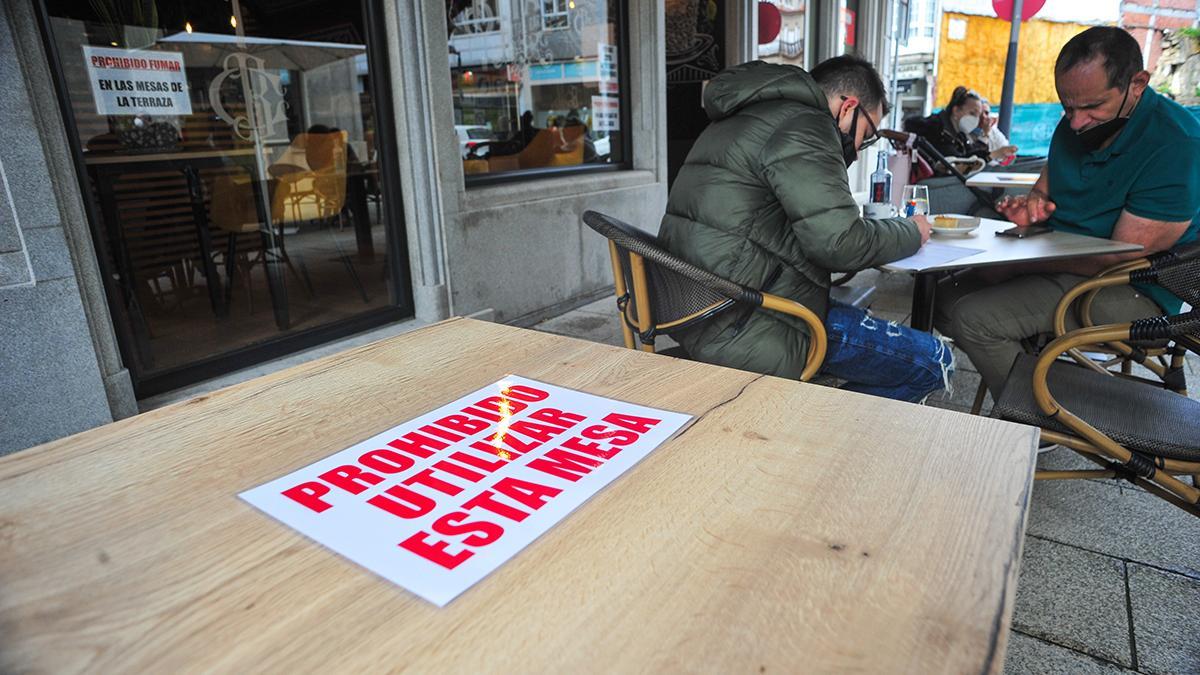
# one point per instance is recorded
(883, 358)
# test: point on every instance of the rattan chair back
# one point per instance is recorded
(680, 293)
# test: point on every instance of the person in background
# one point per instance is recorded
(1124, 164)
(950, 130)
(990, 135)
(764, 200)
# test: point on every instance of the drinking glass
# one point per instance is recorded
(916, 200)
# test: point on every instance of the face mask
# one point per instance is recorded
(849, 152)
(968, 123)
(1093, 138)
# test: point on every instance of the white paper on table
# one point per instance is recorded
(934, 254)
(383, 501)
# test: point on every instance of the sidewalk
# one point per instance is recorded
(1110, 580)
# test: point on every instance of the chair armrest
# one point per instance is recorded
(1166, 327)
(1071, 342)
(816, 328)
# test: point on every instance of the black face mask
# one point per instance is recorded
(849, 152)
(1093, 138)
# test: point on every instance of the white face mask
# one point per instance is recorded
(968, 123)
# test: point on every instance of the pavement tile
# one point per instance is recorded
(1075, 599)
(1112, 519)
(586, 326)
(961, 394)
(1031, 656)
(606, 306)
(893, 293)
(1166, 620)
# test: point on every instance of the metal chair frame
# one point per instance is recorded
(634, 297)
(1157, 474)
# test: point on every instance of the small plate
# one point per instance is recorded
(966, 225)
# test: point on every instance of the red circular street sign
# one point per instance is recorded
(1004, 8)
(769, 22)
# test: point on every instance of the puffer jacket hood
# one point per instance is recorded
(757, 81)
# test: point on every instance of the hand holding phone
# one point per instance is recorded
(1023, 232)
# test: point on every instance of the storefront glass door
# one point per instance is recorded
(234, 157)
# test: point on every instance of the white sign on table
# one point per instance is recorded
(435, 504)
(135, 82)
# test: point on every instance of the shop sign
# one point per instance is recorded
(609, 78)
(437, 503)
(606, 114)
(137, 82)
(546, 71)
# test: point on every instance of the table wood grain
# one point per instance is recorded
(791, 528)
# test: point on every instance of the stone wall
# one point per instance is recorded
(1178, 70)
(50, 378)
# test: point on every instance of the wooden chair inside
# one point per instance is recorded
(659, 293)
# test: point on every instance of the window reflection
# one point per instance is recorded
(234, 164)
(536, 84)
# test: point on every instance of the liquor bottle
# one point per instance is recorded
(881, 181)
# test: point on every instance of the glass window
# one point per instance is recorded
(543, 90)
(788, 44)
(234, 158)
(481, 16)
(554, 14)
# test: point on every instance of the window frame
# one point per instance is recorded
(561, 10)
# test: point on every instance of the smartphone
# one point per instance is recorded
(1022, 232)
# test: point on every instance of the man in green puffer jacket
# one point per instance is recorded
(763, 199)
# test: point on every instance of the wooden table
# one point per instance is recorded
(1001, 179)
(997, 251)
(791, 528)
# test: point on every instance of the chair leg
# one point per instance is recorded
(347, 262)
(979, 396)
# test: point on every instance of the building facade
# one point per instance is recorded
(189, 190)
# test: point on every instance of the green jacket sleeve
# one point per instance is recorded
(805, 169)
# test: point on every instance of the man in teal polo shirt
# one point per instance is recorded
(1124, 164)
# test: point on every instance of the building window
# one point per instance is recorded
(543, 93)
(481, 16)
(787, 26)
(555, 15)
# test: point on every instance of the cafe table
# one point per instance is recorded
(986, 249)
(1001, 179)
(790, 528)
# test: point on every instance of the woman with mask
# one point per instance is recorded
(950, 130)
(989, 133)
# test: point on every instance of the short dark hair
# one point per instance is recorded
(851, 75)
(1120, 51)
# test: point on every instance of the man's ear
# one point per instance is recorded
(849, 104)
(1140, 81)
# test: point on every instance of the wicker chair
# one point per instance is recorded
(1136, 430)
(1163, 358)
(659, 293)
